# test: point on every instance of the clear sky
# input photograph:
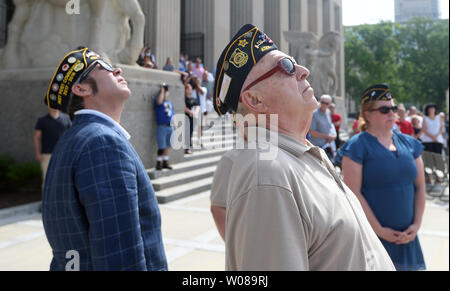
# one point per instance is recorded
(357, 12)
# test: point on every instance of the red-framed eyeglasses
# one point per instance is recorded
(285, 65)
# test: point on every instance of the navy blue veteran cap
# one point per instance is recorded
(246, 48)
(73, 69)
(378, 92)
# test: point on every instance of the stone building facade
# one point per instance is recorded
(196, 27)
(204, 27)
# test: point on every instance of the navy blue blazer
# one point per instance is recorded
(98, 200)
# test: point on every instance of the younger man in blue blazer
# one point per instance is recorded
(99, 208)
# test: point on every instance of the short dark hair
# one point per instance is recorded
(77, 102)
(428, 106)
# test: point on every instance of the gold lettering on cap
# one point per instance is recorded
(259, 43)
(69, 73)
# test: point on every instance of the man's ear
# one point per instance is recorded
(82, 90)
(252, 102)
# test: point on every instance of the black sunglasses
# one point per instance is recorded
(86, 73)
(386, 109)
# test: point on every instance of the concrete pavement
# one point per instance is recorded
(191, 240)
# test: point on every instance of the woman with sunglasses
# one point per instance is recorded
(384, 168)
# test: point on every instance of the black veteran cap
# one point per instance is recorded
(246, 48)
(378, 92)
(70, 69)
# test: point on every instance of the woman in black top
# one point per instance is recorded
(190, 102)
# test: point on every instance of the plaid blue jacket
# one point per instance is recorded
(99, 201)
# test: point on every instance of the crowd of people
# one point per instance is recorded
(429, 127)
(198, 85)
(291, 212)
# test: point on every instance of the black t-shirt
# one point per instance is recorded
(52, 129)
(192, 101)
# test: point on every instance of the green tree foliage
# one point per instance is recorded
(15, 175)
(413, 58)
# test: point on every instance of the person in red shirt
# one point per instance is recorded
(404, 126)
(336, 119)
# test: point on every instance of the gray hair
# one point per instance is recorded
(326, 97)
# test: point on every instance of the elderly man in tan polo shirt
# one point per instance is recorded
(288, 211)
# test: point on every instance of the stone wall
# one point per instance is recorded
(22, 95)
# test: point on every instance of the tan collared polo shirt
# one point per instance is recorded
(219, 187)
(294, 213)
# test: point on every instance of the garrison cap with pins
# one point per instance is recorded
(72, 69)
(245, 49)
(378, 92)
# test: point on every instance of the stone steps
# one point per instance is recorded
(195, 174)
(184, 167)
(182, 178)
(186, 179)
(216, 145)
(201, 154)
(184, 190)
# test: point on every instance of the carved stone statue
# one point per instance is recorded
(319, 56)
(304, 46)
(42, 30)
(326, 63)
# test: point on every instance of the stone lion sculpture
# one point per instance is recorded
(42, 30)
(319, 56)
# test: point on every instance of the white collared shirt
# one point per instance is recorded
(104, 116)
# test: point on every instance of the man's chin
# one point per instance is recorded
(310, 99)
(126, 93)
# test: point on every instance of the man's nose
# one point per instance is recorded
(301, 72)
(117, 72)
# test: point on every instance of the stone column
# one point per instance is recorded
(162, 32)
(329, 22)
(246, 11)
(221, 31)
(212, 19)
(298, 15)
(298, 18)
(276, 21)
(340, 62)
(336, 18)
(315, 16)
